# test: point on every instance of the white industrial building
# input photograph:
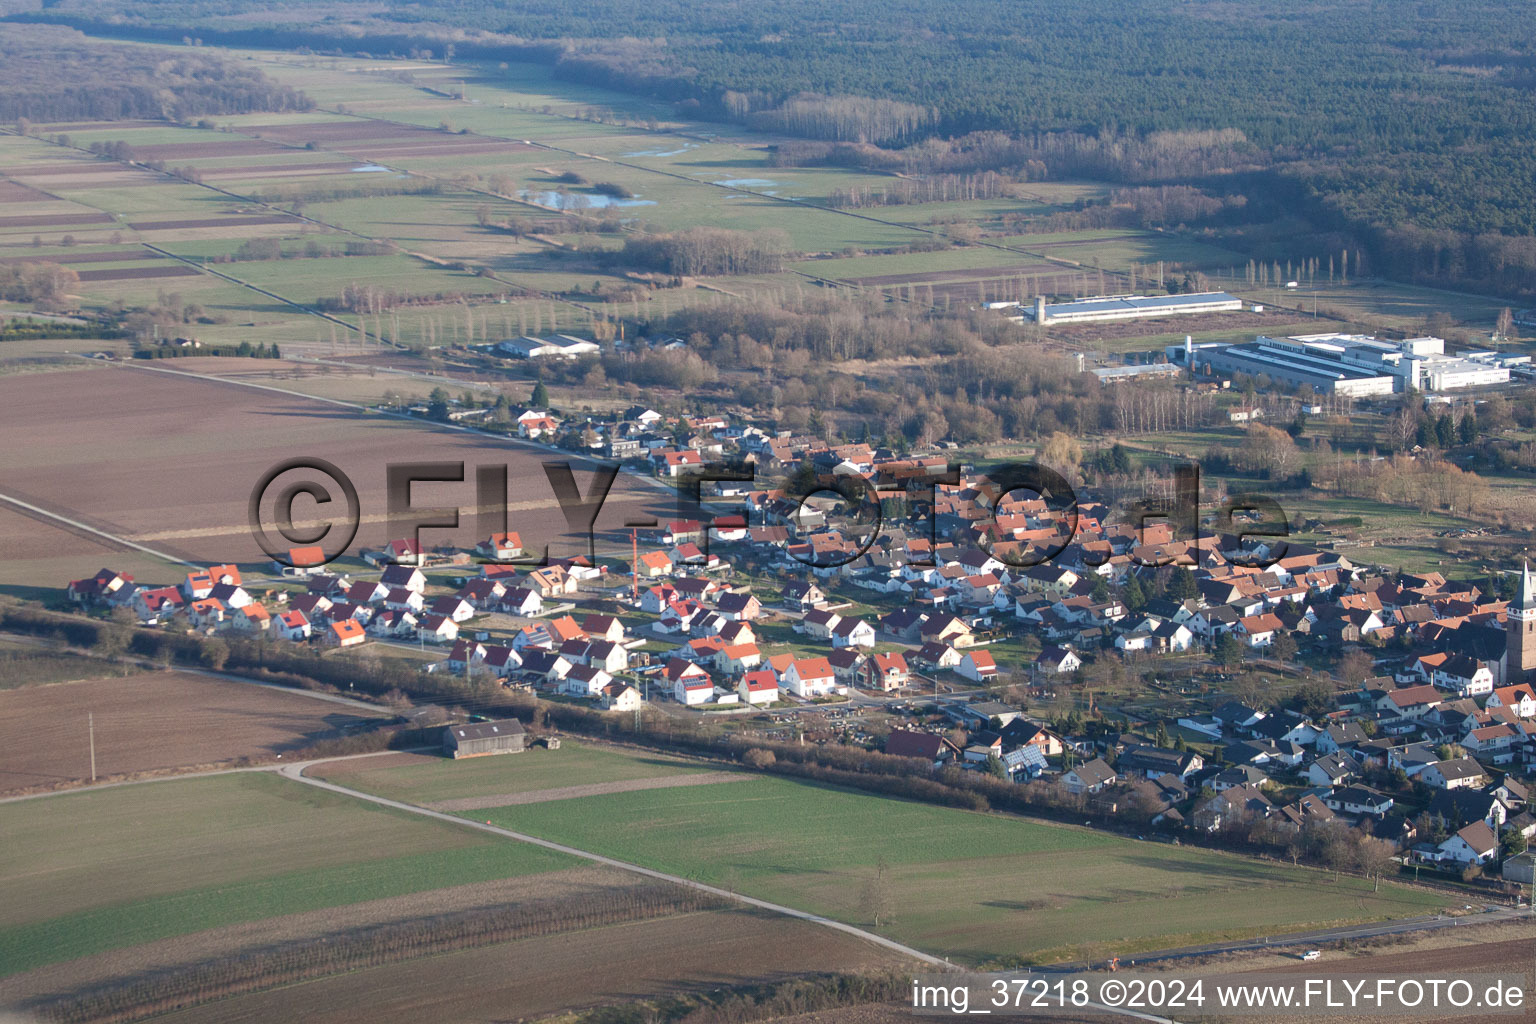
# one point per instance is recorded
(563, 346)
(1127, 307)
(1349, 364)
(1142, 371)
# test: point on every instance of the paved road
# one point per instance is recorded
(1490, 915)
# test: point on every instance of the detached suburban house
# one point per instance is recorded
(977, 666)
(926, 746)
(1057, 661)
(1457, 773)
(346, 633)
(1089, 777)
(292, 626)
(758, 687)
(809, 678)
(888, 671)
(853, 633)
(501, 547)
(1475, 844)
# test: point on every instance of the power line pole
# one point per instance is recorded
(91, 728)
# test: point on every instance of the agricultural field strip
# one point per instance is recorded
(75, 524)
(537, 796)
(175, 777)
(801, 203)
(515, 442)
(425, 257)
(296, 772)
(204, 268)
(220, 851)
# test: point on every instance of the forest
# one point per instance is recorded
(706, 252)
(1364, 120)
(51, 74)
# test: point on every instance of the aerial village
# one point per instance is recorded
(1098, 659)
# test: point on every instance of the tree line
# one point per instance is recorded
(707, 252)
(41, 283)
(56, 74)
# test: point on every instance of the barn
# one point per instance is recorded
(477, 738)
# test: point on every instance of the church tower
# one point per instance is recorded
(1520, 632)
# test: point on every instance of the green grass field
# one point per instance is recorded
(574, 764)
(973, 887)
(114, 868)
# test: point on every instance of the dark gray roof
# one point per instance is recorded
(487, 730)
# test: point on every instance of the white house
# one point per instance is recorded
(1465, 677)
(977, 666)
(1057, 661)
(1475, 844)
(1089, 777)
(1520, 699)
(584, 681)
(1457, 773)
(758, 687)
(691, 690)
(437, 629)
(853, 633)
(407, 576)
(1260, 630)
(293, 626)
(809, 677)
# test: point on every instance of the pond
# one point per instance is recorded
(577, 200)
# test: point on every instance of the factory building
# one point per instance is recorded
(1144, 371)
(562, 346)
(1353, 365)
(1126, 307)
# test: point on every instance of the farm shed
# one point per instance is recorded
(504, 737)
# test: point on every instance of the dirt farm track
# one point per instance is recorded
(152, 721)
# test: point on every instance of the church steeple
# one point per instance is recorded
(1520, 631)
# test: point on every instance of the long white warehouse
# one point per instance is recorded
(1128, 307)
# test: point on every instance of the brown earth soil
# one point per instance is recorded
(14, 192)
(211, 222)
(186, 491)
(154, 721)
(138, 273)
(194, 150)
(49, 219)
